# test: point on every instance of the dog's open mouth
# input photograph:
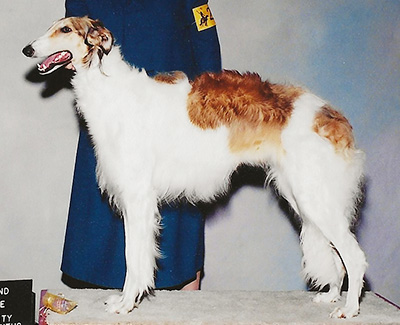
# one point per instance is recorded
(55, 61)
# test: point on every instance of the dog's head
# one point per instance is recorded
(81, 42)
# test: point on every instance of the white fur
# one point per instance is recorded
(148, 150)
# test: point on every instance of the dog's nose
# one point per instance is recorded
(28, 50)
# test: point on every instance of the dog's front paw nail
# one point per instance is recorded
(344, 312)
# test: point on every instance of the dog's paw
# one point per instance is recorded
(120, 304)
(346, 312)
(326, 297)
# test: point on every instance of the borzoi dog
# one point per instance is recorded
(165, 138)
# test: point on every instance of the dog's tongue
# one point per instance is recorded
(54, 61)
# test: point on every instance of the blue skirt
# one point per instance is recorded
(94, 241)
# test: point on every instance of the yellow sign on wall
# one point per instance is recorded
(203, 17)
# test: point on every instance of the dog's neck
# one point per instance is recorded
(102, 77)
(109, 65)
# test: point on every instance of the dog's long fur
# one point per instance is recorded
(164, 138)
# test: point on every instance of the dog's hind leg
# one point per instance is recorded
(354, 262)
(324, 184)
(141, 222)
(325, 189)
(321, 264)
(331, 223)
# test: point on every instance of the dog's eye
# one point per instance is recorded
(66, 29)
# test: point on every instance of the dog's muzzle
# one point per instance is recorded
(52, 62)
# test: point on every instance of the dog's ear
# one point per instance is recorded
(100, 37)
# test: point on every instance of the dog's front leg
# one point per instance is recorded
(141, 222)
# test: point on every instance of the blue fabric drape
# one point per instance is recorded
(159, 36)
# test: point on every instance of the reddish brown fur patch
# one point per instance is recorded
(254, 110)
(332, 125)
(170, 78)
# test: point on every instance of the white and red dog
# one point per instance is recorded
(164, 138)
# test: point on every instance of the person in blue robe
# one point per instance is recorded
(159, 36)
